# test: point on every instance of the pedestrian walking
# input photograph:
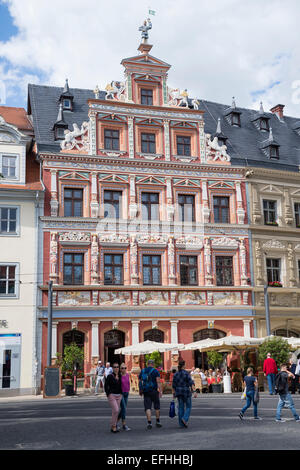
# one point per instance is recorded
(251, 384)
(150, 388)
(282, 388)
(100, 378)
(270, 371)
(295, 369)
(113, 390)
(125, 384)
(183, 385)
(108, 369)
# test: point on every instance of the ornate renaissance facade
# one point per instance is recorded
(145, 229)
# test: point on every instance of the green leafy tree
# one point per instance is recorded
(156, 357)
(73, 355)
(214, 358)
(278, 347)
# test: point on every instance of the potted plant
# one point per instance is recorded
(278, 347)
(70, 362)
(275, 284)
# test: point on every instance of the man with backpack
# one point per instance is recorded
(150, 387)
(282, 388)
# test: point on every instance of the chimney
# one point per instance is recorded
(278, 110)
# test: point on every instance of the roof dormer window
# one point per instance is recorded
(60, 125)
(235, 119)
(233, 115)
(67, 104)
(274, 152)
(147, 96)
(264, 124)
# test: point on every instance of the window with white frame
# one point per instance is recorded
(273, 270)
(8, 280)
(9, 166)
(8, 220)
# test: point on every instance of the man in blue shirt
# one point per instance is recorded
(182, 389)
(150, 387)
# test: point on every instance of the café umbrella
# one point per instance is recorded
(147, 347)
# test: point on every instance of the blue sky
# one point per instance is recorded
(7, 28)
(217, 49)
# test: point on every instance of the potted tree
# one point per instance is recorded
(70, 362)
(215, 359)
(278, 347)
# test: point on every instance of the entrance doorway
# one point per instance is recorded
(10, 361)
(157, 336)
(200, 358)
(113, 339)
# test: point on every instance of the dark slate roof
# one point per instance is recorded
(243, 143)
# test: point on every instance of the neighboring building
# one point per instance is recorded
(21, 196)
(145, 224)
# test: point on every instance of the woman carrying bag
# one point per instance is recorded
(182, 389)
(113, 390)
(251, 384)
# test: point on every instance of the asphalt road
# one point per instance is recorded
(83, 423)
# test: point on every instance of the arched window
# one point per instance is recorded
(286, 333)
(210, 333)
(73, 336)
(154, 335)
(113, 339)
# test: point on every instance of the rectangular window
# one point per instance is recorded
(274, 152)
(113, 269)
(111, 139)
(221, 209)
(73, 268)
(73, 202)
(270, 213)
(7, 280)
(186, 204)
(148, 143)
(188, 271)
(273, 269)
(235, 119)
(8, 220)
(151, 270)
(299, 270)
(146, 97)
(9, 166)
(297, 213)
(150, 206)
(224, 271)
(67, 104)
(183, 145)
(112, 204)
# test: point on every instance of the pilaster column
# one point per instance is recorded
(207, 262)
(135, 339)
(93, 132)
(54, 199)
(132, 198)
(170, 205)
(95, 339)
(243, 268)
(247, 328)
(291, 270)
(167, 139)
(202, 142)
(94, 260)
(131, 137)
(206, 210)
(240, 209)
(53, 275)
(171, 261)
(288, 216)
(259, 273)
(94, 197)
(134, 261)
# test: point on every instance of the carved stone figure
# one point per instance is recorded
(216, 151)
(72, 140)
(133, 260)
(177, 98)
(115, 90)
(195, 103)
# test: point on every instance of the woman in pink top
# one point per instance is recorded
(125, 382)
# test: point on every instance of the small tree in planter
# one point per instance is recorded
(71, 360)
(214, 358)
(278, 347)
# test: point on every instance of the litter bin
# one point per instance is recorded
(227, 383)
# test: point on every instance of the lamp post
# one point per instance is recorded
(49, 337)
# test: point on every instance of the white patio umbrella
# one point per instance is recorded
(200, 345)
(147, 347)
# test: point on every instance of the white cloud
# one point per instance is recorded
(218, 49)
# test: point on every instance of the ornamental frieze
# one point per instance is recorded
(78, 237)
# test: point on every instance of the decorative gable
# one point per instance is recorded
(74, 175)
(150, 180)
(113, 178)
(187, 182)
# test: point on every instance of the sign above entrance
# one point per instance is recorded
(211, 324)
